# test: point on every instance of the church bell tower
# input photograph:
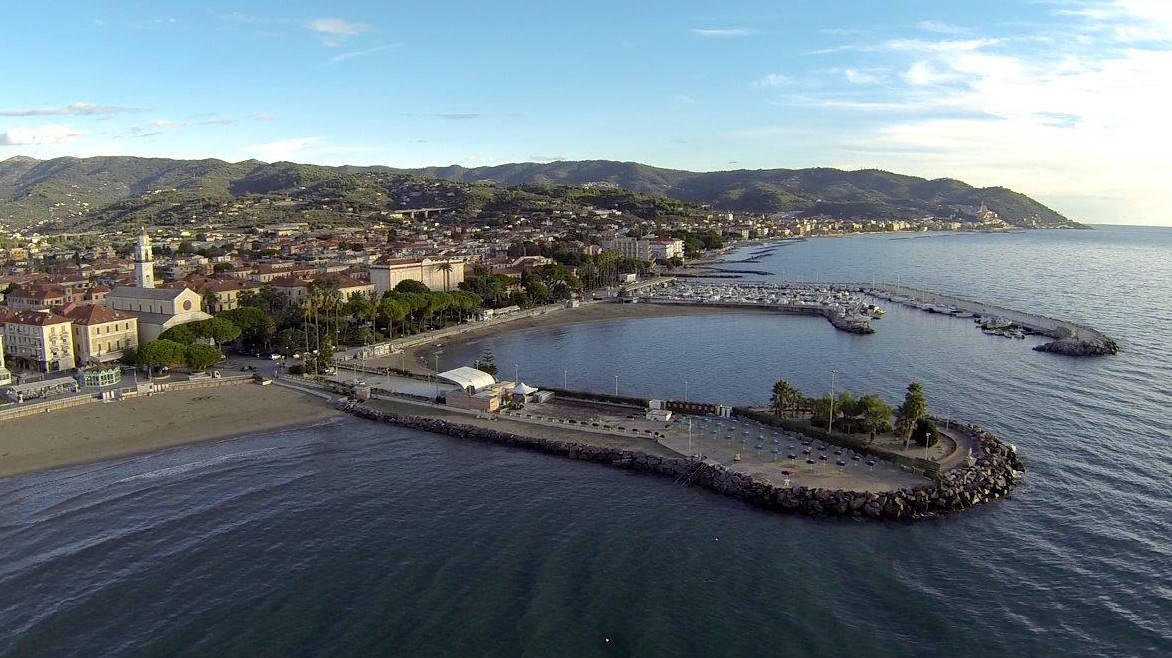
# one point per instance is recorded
(144, 261)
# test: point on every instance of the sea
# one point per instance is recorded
(349, 538)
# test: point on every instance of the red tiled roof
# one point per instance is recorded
(36, 318)
(94, 314)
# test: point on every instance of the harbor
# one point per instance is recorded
(843, 308)
(852, 307)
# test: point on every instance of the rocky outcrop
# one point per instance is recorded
(1076, 347)
(990, 476)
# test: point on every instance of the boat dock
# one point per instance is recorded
(842, 308)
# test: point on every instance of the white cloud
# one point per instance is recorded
(942, 46)
(863, 76)
(47, 134)
(342, 57)
(922, 74)
(284, 149)
(77, 109)
(335, 30)
(710, 33)
(773, 80)
(940, 27)
(683, 99)
(1072, 112)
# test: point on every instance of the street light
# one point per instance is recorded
(616, 384)
(685, 390)
(516, 373)
(565, 380)
(830, 420)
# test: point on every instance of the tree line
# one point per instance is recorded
(854, 414)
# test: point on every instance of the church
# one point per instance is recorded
(157, 309)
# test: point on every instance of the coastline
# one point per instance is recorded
(101, 431)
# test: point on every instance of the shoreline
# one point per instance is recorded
(98, 432)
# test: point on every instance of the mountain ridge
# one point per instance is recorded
(32, 190)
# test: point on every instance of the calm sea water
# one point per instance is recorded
(348, 538)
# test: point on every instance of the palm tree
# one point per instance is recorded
(784, 397)
(446, 268)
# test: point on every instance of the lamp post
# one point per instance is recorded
(565, 380)
(685, 390)
(830, 420)
(689, 438)
(616, 384)
(516, 373)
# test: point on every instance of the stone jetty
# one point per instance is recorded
(989, 476)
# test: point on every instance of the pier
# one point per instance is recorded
(1070, 338)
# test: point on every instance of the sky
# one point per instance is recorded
(1064, 100)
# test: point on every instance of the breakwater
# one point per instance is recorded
(1071, 339)
(989, 476)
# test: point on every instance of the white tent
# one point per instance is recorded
(465, 376)
(522, 389)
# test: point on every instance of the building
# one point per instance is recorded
(478, 390)
(437, 274)
(294, 289)
(665, 248)
(626, 247)
(38, 340)
(218, 294)
(5, 374)
(37, 297)
(157, 309)
(100, 334)
(144, 261)
(645, 248)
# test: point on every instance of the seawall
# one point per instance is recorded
(1070, 338)
(990, 476)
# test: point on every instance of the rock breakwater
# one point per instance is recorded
(987, 477)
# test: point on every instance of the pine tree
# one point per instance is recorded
(487, 362)
(913, 409)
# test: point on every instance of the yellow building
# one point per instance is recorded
(100, 334)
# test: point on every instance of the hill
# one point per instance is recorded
(82, 193)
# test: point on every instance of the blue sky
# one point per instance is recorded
(1064, 100)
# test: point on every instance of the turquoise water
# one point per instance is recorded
(349, 538)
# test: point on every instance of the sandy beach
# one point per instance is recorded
(105, 430)
(594, 312)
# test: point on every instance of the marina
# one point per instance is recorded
(844, 308)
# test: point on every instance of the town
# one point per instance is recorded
(77, 305)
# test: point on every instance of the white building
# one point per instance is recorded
(5, 375)
(438, 274)
(38, 340)
(157, 309)
(645, 248)
(144, 261)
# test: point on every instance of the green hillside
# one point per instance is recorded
(82, 193)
